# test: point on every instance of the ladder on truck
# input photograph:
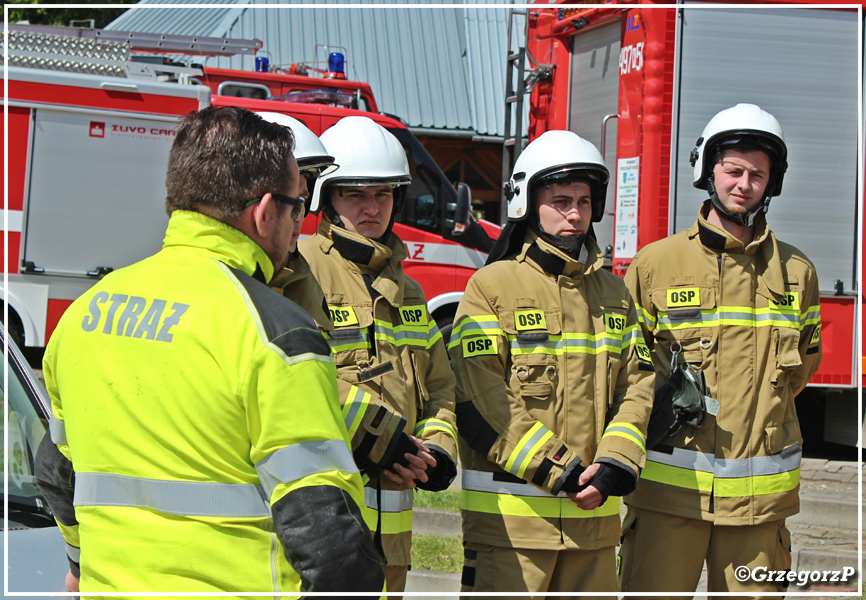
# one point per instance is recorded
(114, 53)
(517, 85)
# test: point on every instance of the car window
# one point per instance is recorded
(26, 430)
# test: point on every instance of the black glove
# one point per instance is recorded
(612, 480)
(567, 482)
(440, 476)
(396, 453)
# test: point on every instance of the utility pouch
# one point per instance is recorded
(682, 400)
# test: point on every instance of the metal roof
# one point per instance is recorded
(435, 67)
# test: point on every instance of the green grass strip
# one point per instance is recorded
(437, 553)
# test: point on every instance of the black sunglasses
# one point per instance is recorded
(297, 204)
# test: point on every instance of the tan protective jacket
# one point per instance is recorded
(295, 281)
(546, 353)
(392, 366)
(750, 319)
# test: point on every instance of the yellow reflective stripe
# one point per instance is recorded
(745, 316)
(348, 346)
(421, 427)
(478, 325)
(760, 485)
(643, 316)
(684, 478)
(357, 401)
(69, 533)
(392, 522)
(627, 431)
(436, 334)
(531, 506)
(580, 343)
(400, 335)
(526, 449)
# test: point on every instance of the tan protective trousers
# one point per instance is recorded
(497, 569)
(666, 553)
(395, 579)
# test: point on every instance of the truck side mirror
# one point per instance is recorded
(461, 209)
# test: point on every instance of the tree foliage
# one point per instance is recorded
(58, 14)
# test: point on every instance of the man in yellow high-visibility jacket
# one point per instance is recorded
(195, 412)
(728, 298)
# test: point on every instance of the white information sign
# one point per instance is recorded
(625, 234)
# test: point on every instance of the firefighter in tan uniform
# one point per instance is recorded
(395, 382)
(295, 280)
(554, 386)
(728, 298)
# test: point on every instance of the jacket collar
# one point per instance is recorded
(382, 263)
(554, 261)
(717, 238)
(296, 269)
(197, 233)
(764, 247)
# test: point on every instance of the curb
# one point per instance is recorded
(819, 512)
(432, 521)
(428, 581)
(820, 559)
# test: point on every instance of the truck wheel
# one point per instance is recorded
(445, 324)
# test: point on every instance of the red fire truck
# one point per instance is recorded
(91, 120)
(640, 81)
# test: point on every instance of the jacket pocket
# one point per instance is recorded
(420, 365)
(783, 437)
(786, 342)
(534, 378)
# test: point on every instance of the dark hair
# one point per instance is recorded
(223, 157)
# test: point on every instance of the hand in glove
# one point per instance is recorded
(408, 461)
(439, 476)
(599, 481)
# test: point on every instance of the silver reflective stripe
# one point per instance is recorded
(527, 447)
(393, 501)
(757, 465)
(57, 428)
(355, 403)
(559, 345)
(629, 432)
(684, 459)
(189, 498)
(630, 337)
(401, 336)
(482, 481)
(728, 468)
(733, 315)
(73, 552)
(302, 460)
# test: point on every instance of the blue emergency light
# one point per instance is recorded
(337, 63)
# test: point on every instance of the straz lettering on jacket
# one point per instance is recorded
(149, 319)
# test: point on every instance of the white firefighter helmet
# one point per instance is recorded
(556, 156)
(309, 150)
(744, 126)
(368, 154)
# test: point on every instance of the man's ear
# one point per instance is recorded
(264, 215)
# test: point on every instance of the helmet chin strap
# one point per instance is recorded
(570, 244)
(746, 220)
